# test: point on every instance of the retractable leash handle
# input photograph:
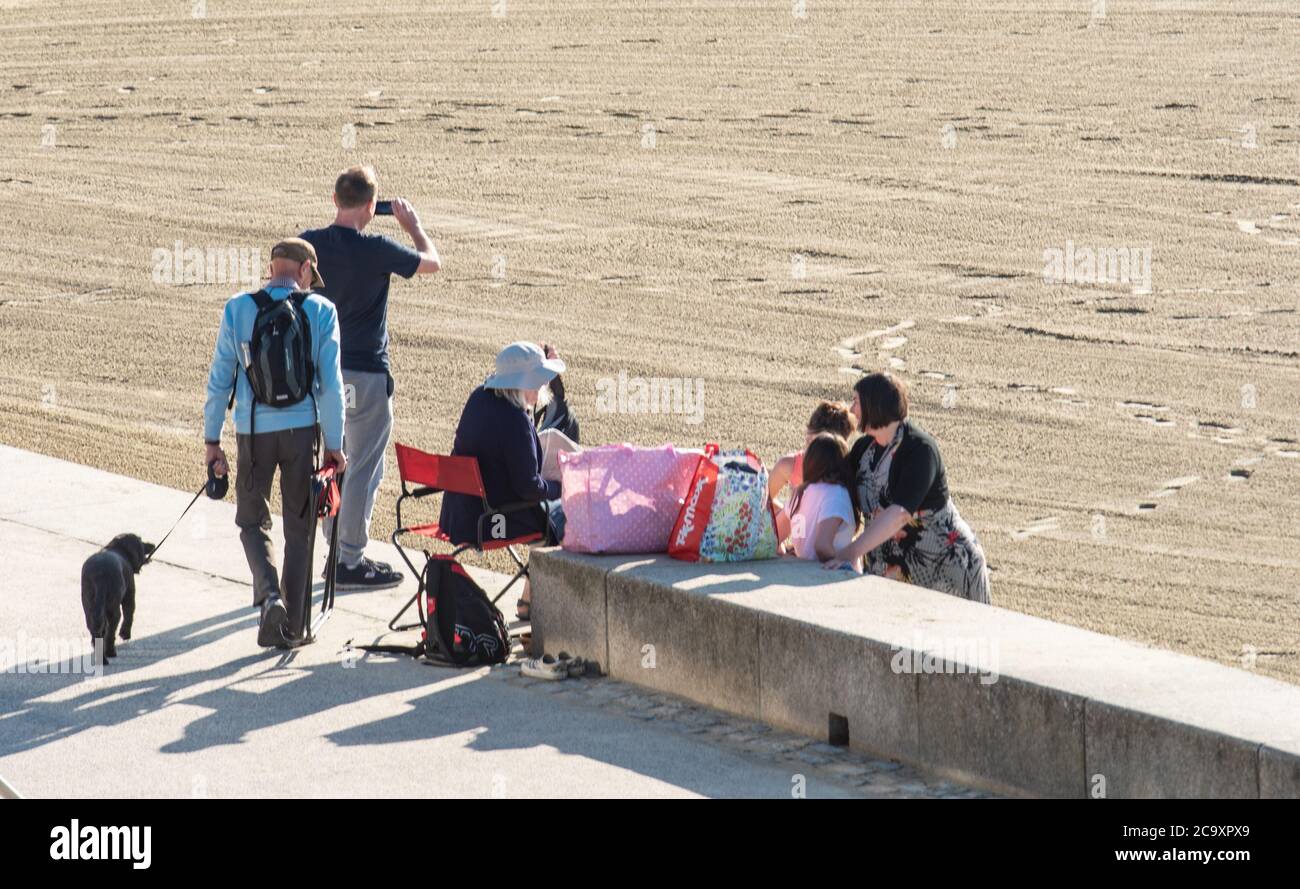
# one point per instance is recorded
(217, 485)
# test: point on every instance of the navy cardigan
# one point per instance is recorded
(509, 455)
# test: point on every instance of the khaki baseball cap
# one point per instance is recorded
(299, 250)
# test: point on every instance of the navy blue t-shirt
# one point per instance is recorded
(356, 268)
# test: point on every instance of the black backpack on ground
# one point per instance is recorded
(459, 618)
(462, 628)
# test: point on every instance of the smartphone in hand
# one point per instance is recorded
(384, 208)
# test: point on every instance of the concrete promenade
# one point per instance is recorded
(192, 707)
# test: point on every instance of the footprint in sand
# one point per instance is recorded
(1068, 392)
(1173, 486)
(855, 342)
(1148, 413)
(851, 349)
(1070, 396)
(1044, 525)
(1144, 406)
(1219, 433)
(1284, 447)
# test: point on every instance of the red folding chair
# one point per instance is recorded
(424, 474)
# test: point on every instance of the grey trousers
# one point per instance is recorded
(260, 455)
(366, 431)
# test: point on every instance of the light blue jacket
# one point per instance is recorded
(236, 329)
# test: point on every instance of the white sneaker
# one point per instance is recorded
(544, 667)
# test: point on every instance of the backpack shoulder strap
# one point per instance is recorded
(299, 297)
(262, 299)
(428, 654)
(415, 650)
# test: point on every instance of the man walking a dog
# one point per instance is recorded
(279, 345)
(357, 268)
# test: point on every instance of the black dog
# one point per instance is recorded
(108, 588)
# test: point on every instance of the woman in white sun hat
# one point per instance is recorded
(496, 427)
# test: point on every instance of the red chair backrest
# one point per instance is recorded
(456, 474)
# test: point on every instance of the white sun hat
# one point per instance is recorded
(523, 366)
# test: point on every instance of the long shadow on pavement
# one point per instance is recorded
(495, 714)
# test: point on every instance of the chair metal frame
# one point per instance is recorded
(457, 475)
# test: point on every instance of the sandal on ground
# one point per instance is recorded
(575, 666)
(544, 667)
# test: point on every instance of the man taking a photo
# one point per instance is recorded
(358, 267)
(308, 381)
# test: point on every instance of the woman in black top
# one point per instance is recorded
(913, 533)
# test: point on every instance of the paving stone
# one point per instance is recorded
(842, 766)
(810, 758)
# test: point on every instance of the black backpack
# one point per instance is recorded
(557, 415)
(460, 622)
(462, 628)
(278, 363)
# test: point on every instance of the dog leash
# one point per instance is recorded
(215, 487)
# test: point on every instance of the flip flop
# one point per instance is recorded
(574, 666)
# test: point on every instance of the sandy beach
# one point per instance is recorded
(763, 201)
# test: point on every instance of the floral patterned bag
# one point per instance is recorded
(727, 516)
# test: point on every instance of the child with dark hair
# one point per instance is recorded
(829, 416)
(821, 516)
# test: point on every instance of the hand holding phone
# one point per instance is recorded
(405, 215)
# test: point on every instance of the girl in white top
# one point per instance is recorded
(821, 516)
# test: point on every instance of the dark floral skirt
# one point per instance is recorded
(936, 550)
